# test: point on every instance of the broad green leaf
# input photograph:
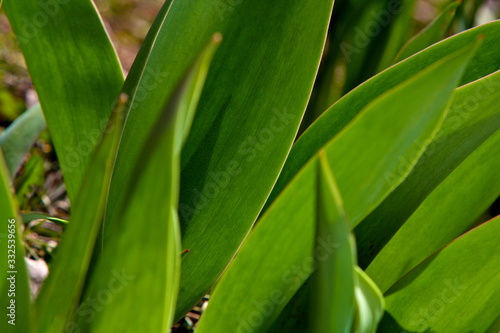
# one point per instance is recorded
(279, 248)
(17, 139)
(333, 299)
(141, 283)
(445, 214)
(424, 109)
(369, 304)
(474, 116)
(248, 115)
(75, 71)
(431, 34)
(28, 217)
(14, 281)
(60, 294)
(455, 290)
(279, 251)
(485, 61)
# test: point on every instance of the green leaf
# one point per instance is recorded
(60, 294)
(280, 246)
(141, 283)
(456, 203)
(333, 280)
(473, 118)
(369, 307)
(459, 281)
(369, 304)
(251, 106)
(17, 139)
(14, 281)
(75, 71)
(431, 34)
(485, 61)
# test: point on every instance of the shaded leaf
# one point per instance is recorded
(281, 246)
(60, 294)
(485, 61)
(248, 115)
(431, 34)
(474, 116)
(75, 71)
(17, 139)
(142, 282)
(456, 282)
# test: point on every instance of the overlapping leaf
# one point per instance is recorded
(249, 113)
(20, 135)
(431, 34)
(14, 281)
(484, 62)
(458, 201)
(143, 280)
(60, 295)
(473, 118)
(279, 248)
(75, 71)
(333, 298)
(459, 281)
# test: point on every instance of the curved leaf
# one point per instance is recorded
(431, 34)
(369, 303)
(142, 282)
(14, 281)
(280, 246)
(75, 71)
(60, 294)
(456, 282)
(333, 283)
(485, 61)
(251, 106)
(456, 203)
(17, 139)
(474, 116)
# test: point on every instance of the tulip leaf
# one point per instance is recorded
(369, 304)
(17, 139)
(484, 62)
(431, 34)
(280, 245)
(474, 117)
(457, 202)
(146, 273)
(459, 280)
(75, 71)
(332, 308)
(60, 294)
(14, 281)
(248, 115)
